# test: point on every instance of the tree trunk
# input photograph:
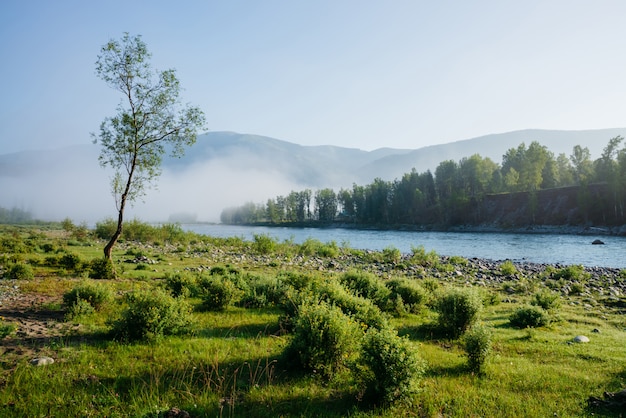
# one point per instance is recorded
(108, 249)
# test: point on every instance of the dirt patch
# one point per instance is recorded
(38, 323)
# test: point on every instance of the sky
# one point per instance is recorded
(355, 73)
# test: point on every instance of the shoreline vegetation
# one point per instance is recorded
(201, 326)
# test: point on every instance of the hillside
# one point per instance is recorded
(227, 168)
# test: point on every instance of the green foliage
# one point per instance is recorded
(407, 295)
(6, 329)
(19, 271)
(324, 338)
(262, 291)
(477, 343)
(152, 315)
(181, 284)
(529, 317)
(546, 300)
(312, 246)
(79, 308)
(391, 255)
(573, 273)
(97, 295)
(508, 268)
(264, 244)
(458, 310)
(218, 292)
(420, 257)
(366, 285)
(392, 368)
(70, 261)
(101, 268)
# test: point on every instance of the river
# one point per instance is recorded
(536, 248)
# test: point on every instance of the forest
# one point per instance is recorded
(466, 192)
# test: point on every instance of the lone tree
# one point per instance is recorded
(150, 119)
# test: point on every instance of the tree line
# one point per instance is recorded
(445, 196)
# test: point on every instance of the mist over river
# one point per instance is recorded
(535, 248)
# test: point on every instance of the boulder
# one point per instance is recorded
(42, 361)
(597, 242)
(581, 339)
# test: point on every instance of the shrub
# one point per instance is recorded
(458, 310)
(477, 345)
(94, 294)
(392, 368)
(574, 272)
(366, 285)
(19, 271)
(218, 293)
(79, 308)
(529, 316)
(181, 284)
(391, 255)
(421, 257)
(106, 228)
(362, 310)
(508, 268)
(408, 295)
(70, 261)
(324, 338)
(152, 315)
(546, 300)
(264, 244)
(262, 291)
(101, 268)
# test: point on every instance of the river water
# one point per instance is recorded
(536, 248)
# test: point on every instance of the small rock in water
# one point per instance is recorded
(42, 361)
(598, 242)
(581, 339)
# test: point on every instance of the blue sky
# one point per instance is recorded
(354, 73)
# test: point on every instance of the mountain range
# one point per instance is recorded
(228, 168)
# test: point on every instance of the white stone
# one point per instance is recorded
(581, 339)
(42, 361)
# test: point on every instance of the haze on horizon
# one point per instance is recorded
(361, 74)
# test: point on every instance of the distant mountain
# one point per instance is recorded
(226, 168)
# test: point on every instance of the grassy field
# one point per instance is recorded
(234, 360)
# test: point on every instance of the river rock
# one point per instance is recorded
(42, 361)
(581, 339)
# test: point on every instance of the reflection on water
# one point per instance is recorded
(537, 248)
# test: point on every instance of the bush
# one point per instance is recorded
(262, 291)
(420, 257)
(218, 293)
(391, 255)
(508, 268)
(70, 261)
(181, 284)
(101, 268)
(264, 244)
(79, 308)
(407, 295)
(529, 316)
(153, 315)
(367, 286)
(19, 271)
(324, 338)
(458, 310)
(362, 310)
(574, 272)
(546, 300)
(477, 345)
(6, 329)
(392, 367)
(94, 294)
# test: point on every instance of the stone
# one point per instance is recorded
(598, 242)
(581, 339)
(42, 361)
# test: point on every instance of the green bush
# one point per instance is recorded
(508, 268)
(151, 315)
(218, 292)
(181, 284)
(366, 285)
(420, 257)
(546, 300)
(391, 255)
(573, 272)
(95, 294)
(262, 291)
(70, 261)
(101, 268)
(458, 310)
(324, 338)
(392, 368)
(79, 308)
(19, 271)
(529, 317)
(407, 295)
(6, 329)
(264, 244)
(362, 310)
(477, 345)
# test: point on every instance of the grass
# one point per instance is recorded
(232, 363)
